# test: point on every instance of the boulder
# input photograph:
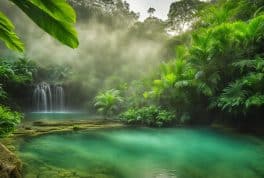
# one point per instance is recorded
(10, 165)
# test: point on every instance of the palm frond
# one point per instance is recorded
(257, 64)
(232, 97)
(255, 100)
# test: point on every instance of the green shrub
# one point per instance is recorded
(2, 93)
(149, 116)
(246, 92)
(8, 120)
(108, 102)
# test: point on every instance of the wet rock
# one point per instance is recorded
(46, 127)
(10, 165)
(31, 175)
(28, 128)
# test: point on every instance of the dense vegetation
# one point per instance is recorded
(9, 120)
(108, 102)
(19, 72)
(217, 70)
(14, 75)
(149, 116)
(209, 69)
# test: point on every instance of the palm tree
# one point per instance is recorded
(108, 102)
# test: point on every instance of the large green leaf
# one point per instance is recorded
(8, 36)
(6, 23)
(58, 9)
(61, 30)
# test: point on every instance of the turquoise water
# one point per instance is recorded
(146, 153)
(58, 116)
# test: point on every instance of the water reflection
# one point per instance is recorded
(147, 153)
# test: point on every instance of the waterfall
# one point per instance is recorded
(58, 98)
(48, 98)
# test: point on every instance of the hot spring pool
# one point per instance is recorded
(143, 153)
(59, 116)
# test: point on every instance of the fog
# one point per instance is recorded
(105, 58)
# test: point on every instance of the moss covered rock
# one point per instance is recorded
(10, 165)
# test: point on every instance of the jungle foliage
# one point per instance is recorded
(217, 71)
(221, 67)
(182, 14)
(112, 13)
(212, 69)
(56, 18)
(149, 116)
(8, 120)
(108, 102)
(15, 73)
(14, 76)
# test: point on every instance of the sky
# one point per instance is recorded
(141, 6)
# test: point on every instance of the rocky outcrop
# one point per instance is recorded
(10, 165)
(46, 127)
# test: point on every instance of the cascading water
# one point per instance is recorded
(47, 98)
(58, 98)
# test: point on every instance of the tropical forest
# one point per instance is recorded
(131, 88)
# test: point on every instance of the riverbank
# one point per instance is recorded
(10, 165)
(54, 142)
(45, 127)
(170, 152)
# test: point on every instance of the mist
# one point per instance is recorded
(100, 47)
(106, 58)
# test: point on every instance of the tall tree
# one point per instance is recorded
(115, 13)
(182, 13)
(151, 11)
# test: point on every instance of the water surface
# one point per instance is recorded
(146, 153)
(59, 116)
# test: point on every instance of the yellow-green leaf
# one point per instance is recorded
(5, 22)
(8, 36)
